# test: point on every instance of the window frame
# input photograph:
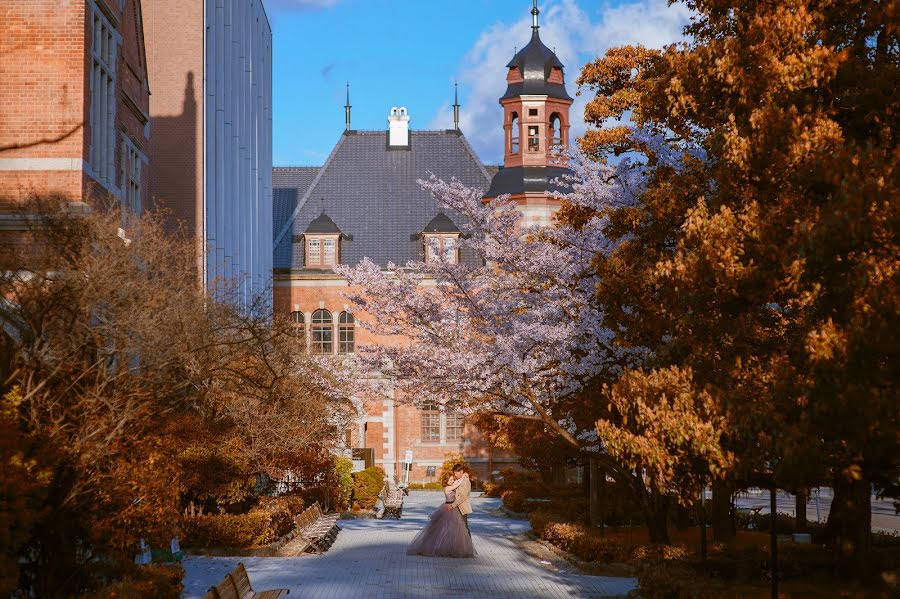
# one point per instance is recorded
(322, 332)
(298, 322)
(430, 421)
(327, 251)
(534, 139)
(102, 118)
(514, 132)
(346, 333)
(443, 241)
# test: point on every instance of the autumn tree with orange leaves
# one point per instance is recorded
(762, 254)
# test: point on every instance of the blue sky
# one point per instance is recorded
(409, 52)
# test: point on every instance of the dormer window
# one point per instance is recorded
(441, 239)
(323, 243)
(321, 251)
(441, 248)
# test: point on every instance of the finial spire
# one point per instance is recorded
(456, 105)
(534, 14)
(347, 108)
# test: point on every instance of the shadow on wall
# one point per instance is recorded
(175, 176)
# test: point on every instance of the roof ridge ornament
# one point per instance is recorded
(456, 105)
(534, 17)
(347, 108)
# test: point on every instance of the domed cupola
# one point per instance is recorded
(535, 70)
(536, 131)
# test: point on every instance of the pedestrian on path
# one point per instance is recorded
(447, 532)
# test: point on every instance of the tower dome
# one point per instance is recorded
(535, 70)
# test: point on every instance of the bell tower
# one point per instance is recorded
(535, 125)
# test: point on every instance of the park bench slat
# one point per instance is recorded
(236, 585)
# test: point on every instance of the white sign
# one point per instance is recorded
(409, 456)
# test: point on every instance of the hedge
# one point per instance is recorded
(367, 484)
(228, 530)
(145, 582)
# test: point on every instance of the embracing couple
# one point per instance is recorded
(447, 532)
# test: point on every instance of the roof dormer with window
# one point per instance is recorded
(441, 240)
(322, 242)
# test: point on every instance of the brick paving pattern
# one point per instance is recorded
(369, 560)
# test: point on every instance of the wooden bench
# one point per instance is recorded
(318, 529)
(393, 502)
(236, 585)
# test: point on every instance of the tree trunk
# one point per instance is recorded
(800, 521)
(720, 511)
(850, 523)
(594, 477)
(682, 517)
(657, 515)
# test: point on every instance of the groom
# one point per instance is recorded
(462, 502)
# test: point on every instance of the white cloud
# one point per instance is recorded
(577, 35)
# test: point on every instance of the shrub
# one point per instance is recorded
(281, 511)
(491, 489)
(668, 580)
(145, 582)
(577, 539)
(342, 490)
(435, 486)
(515, 501)
(366, 487)
(228, 530)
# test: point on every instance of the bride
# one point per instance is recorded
(446, 534)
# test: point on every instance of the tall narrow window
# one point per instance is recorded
(103, 99)
(534, 138)
(131, 178)
(514, 133)
(322, 332)
(314, 252)
(298, 321)
(431, 423)
(346, 333)
(455, 427)
(329, 252)
(555, 130)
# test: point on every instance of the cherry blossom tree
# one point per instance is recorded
(515, 328)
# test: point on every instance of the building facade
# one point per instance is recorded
(365, 202)
(74, 106)
(211, 115)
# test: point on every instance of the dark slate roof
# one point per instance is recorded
(371, 193)
(535, 61)
(288, 186)
(323, 224)
(441, 224)
(522, 179)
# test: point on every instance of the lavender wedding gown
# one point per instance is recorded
(445, 535)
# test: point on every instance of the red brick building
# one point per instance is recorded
(365, 202)
(74, 98)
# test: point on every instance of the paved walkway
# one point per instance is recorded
(369, 560)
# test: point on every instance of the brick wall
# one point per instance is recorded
(389, 424)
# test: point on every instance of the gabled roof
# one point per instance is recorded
(535, 63)
(323, 225)
(441, 224)
(374, 194)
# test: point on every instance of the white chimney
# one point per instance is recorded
(399, 127)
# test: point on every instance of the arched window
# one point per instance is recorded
(346, 333)
(299, 323)
(514, 133)
(555, 130)
(322, 332)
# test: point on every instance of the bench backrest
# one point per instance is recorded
(241, 580)
(226, 590)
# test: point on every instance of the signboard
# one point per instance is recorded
(409, 456)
